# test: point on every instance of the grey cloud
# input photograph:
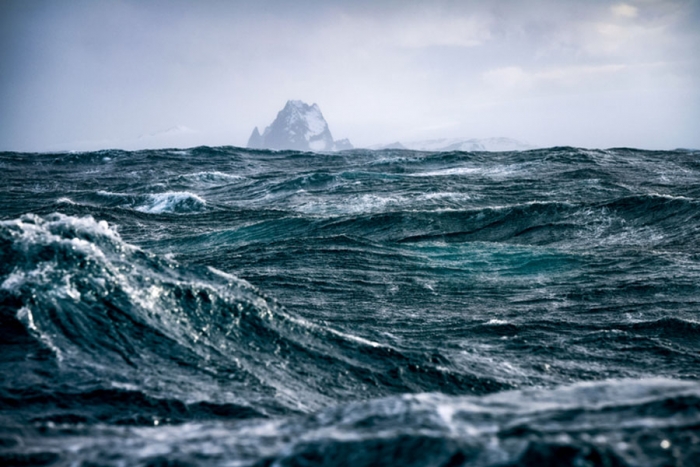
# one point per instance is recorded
(80, 74)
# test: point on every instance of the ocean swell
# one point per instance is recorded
(223, 306)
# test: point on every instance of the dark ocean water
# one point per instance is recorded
(221, 306)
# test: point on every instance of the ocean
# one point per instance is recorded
(225, 306)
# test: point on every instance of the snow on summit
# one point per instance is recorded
(299, 127)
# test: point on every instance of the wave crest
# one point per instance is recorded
(172, 202)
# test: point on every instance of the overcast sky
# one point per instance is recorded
(93, 74)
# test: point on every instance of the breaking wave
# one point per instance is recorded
(223, 306)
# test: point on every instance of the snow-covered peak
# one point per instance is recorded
(297, 104)
(298, 126)
(309, 116)
(462, 144)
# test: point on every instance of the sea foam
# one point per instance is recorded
(172, 202)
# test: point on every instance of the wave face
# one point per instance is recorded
(221, 306)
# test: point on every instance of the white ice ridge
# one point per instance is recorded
(315, 122)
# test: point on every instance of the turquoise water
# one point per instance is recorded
(223, 306)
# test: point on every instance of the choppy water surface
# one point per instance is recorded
(221, 306)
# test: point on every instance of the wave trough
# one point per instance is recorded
(221, 306)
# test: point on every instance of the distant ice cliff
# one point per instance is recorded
(461, 144)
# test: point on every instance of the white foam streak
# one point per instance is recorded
(371, 203)
(493, 172)
(213, 177)
(24, 315)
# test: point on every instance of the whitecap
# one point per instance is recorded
(452, 171)
(172, 202)
(496, 322)
(65, 200)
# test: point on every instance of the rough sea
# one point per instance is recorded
(224, 306)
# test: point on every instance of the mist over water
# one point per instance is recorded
(85, 75)
(223, 306)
